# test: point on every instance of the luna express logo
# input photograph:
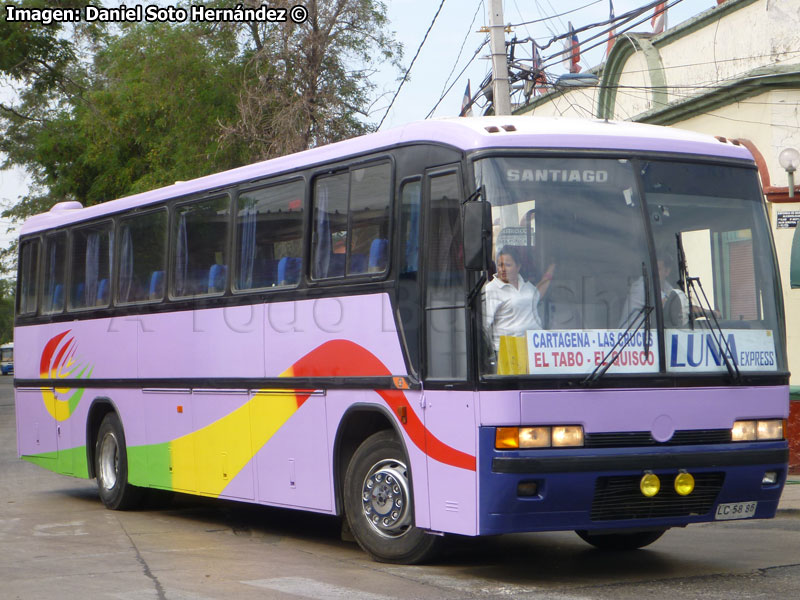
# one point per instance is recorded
(59, 362)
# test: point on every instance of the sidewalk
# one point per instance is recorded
(790, 499)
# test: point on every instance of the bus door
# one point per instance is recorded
(449, 411)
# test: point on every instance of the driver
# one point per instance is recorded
(511, 303)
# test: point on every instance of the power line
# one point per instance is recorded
(556, 16)
(413, 60)
(469, 62)
(460, 50)
(624, 18)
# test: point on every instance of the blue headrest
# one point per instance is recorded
(377, 254)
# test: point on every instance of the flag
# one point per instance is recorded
(659, 20)
(466, 103)
(611, 32)
(576, 51)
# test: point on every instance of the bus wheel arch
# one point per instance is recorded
(358, 423)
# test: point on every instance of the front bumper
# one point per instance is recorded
(597, 489)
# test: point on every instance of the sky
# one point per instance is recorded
(451, 43)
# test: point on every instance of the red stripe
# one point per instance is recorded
(342, 358)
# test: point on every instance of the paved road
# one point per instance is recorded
(56, 541)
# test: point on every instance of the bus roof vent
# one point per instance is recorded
(492, 128)
(71, 205)
(509, 128)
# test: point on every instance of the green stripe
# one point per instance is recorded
(71, 461)
(149, 466)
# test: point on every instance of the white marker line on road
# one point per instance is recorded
(311, 588)
(151, 594)
(476, 586)
(60, 529)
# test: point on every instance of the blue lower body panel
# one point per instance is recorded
(599, 489)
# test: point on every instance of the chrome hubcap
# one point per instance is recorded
(385, 498)
(109, 461)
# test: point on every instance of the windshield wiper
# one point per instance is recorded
(715, 329)
(640, 319)
(683, 277)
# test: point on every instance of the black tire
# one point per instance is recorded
(111, 466)
(621, 541)
(378, 503)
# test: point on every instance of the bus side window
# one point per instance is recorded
(408, 296)
(351, 222)
(370, 198)
(446, 282)
(201, 243)
(92, 255)
(54, 270)
(269, 236)
(28, 272)
(142, 257)
(329, 241)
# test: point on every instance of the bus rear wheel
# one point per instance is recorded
(111, 466)
(378, 503)
(620, 541)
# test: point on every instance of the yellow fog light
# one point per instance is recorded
(650, 485)
(684, 483)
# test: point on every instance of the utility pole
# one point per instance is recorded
(501, 93)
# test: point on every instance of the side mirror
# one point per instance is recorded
(477, 235)
(794, 268)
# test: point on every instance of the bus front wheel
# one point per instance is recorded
(378, 503)
(111, 466)
(620, 541)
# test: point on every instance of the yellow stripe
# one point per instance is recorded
(222, 449)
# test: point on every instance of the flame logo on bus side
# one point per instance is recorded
(59, 362)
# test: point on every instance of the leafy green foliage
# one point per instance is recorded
(6, 310)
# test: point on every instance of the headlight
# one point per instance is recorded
(558, 436)
(770, 430)
(568, 435)
(749, 431)
(744, 431)
(534, 437)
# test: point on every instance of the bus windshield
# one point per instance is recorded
(592, 254)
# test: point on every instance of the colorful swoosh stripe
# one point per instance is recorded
(58, 362)
(343, 358)
(263, 415)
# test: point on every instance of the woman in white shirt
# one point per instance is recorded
(510, 302)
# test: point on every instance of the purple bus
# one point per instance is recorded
(467, 326)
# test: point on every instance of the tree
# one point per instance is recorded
(309, 83)
(6, 310)
(146, 114)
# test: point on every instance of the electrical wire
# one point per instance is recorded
(413, 60)
(625, 18)
(469, 62)
(460, 50)
(555, 16)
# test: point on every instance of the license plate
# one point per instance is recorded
(735, 510)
